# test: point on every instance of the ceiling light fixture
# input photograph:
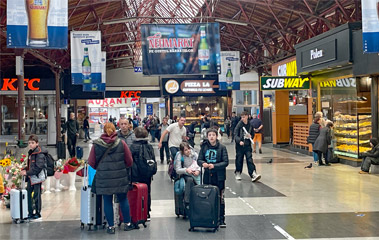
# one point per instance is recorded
(121, 43)
(122, 20)
(231, 22)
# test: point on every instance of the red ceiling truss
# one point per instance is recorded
(269, 30)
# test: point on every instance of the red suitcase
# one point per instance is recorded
(138, 204)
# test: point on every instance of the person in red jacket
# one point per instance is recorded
(111, 158)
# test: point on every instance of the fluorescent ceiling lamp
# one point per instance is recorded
(231, 21)
(121, 58)
(122, 20)
(121, 43)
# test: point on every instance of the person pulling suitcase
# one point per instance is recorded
(213, 157)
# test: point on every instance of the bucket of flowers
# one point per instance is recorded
(59, 167)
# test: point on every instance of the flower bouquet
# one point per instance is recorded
(72, 164)
(58, 169)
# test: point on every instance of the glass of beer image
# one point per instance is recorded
(38, 12)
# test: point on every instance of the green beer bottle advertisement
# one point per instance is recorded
(229, 78)
(86, 67)
(203, 50)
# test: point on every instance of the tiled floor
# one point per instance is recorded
(289, 202)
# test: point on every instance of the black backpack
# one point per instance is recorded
(50, 163)
(147, 164)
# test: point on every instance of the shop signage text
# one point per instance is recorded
(197, 86)
(284, 83)
(288, 69)
(112, 102)
(130, 94)
(316, 54)
(340, 83)
(32, 84)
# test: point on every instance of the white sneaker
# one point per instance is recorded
(238, 176)
(255, 177)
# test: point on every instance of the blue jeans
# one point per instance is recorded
(173, 151)
(108, 208)
(153, 132)
(315, 157)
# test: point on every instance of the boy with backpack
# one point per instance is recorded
(35, 173)
(213, 157)
(144, 163)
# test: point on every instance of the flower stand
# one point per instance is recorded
(72, 177)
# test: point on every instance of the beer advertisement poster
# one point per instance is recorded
(180, 49)
(37, 24)
(230, 70)
(86, 64)
(370, 26)
(99, 87)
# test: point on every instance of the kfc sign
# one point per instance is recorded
(130, 94)
(113, 102)
(10, 84)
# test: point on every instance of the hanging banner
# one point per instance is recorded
(229, 79)
(370, 26)
(178, 49)
(99, 87)
(86, 64)
(284, 83)
(37, 24)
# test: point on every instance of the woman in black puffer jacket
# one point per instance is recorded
(314, 131)
(370, 157)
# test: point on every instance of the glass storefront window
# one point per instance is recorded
(36, 114)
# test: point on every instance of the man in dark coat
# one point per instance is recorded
(72, 128)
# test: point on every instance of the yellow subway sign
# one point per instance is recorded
(285, 83)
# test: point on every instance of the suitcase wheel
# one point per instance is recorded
(214, 230)
(89, 227)
(17, 221)
(190, 229)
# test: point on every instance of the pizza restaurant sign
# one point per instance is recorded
(191, 86)
(113, 102)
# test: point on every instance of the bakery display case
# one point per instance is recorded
(352, 134)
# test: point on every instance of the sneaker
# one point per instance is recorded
(254, 151)
(238, 176)
(255, 177)
(260, 151)
(37, 216)
(363, 172)
(222, 224)
(328, 164)
(128, 226)
(111, 230)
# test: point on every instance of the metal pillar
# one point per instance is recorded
(260, 70)
(58, 106)
(20, 97)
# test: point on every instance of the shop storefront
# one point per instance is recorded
(287, 96)
(195, 97)
(343, 93)
(39, 106)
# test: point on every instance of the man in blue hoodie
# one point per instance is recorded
(213, 157)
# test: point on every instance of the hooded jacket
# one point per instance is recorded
(137, 175)
(239, 133)
(128, 138)
(36, 163)
(112, 174)
(374, 152)
(217, 155)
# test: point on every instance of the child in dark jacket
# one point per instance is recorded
(35, 175)
(213, 157)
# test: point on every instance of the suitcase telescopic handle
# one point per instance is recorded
(201, 176)
(85, 176)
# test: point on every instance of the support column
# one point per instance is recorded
(261, 104)
(170, 106)
(58, 106)
(374, 107)
(20, 97)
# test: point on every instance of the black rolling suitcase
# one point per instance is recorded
(61, 150)
(204, 208)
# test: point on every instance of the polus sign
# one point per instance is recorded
(284, 83)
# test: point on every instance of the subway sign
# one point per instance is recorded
(284, 83)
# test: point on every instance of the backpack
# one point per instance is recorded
(171, 168)
(50, 163)
(147, 163)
